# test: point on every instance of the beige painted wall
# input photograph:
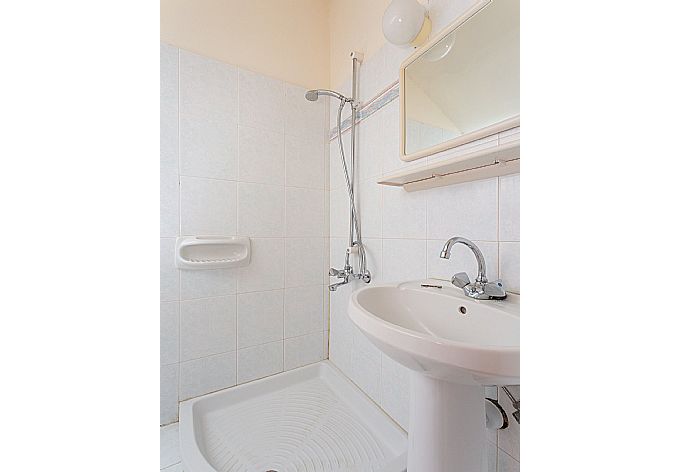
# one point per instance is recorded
(354, 25)
(285, 39)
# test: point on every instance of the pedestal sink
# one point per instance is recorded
(454, 346)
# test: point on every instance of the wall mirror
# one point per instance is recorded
(465, 84)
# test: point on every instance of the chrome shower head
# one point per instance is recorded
(313, 95)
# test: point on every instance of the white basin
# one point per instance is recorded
(454, 345)
(424, 329)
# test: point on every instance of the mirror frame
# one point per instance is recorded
(504, 125)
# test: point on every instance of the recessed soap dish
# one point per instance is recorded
(212, 252)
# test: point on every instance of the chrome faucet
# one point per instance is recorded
(347, 274)
(481, 288)
(344, 274)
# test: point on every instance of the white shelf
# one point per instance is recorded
(503, 159)
(212, 252)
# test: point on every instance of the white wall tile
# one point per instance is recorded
(208, 207)
(461, 260)
(337, 177)
(259, 318)
(326, 216)
(509, 259)
(168, 390)
(369, 143)
(341, 329)
(207, 283)
(403, 260)
(374, 251)
(303, 350)
(337, 253)
(363, 345)
(507, 463)
(169, 202)
(208, 326)
(371, 75)
(366, 373)
(170, 445)
(208, 148)
(491, 457)
(304, 261)
(303, 310)
(339, 213)
(261, 101)
(339, 320)
(469, 210)
(306, 119)
(170, 332)
(509, 208)
(208, 117)
(304, 212)
(259, 361)
(169, 276)
(325, 344)
(404, 213)
(208, 374)
(261, 156)
(304, 161)
(326, 309)
(169, 89)
(370, 195)
(261, 210)
(340, 352)
(267, 268)
(208, 88)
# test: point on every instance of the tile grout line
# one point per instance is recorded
(284, 226)
(498, 224)
(179, 228)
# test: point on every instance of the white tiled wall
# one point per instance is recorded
(404, 232)
(233, 162)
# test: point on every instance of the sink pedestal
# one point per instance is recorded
(447, 426)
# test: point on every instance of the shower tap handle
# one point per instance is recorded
(341, 274)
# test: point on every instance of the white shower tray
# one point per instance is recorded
(310, 419)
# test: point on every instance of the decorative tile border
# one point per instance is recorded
(389, 94)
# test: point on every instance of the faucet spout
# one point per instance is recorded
(481, 263)
(481, 289)
(334, 287)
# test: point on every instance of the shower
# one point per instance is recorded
(313, 95)
(355, 246)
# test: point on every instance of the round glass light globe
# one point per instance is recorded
(402, 21)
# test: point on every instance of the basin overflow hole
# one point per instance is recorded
(462, 310)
